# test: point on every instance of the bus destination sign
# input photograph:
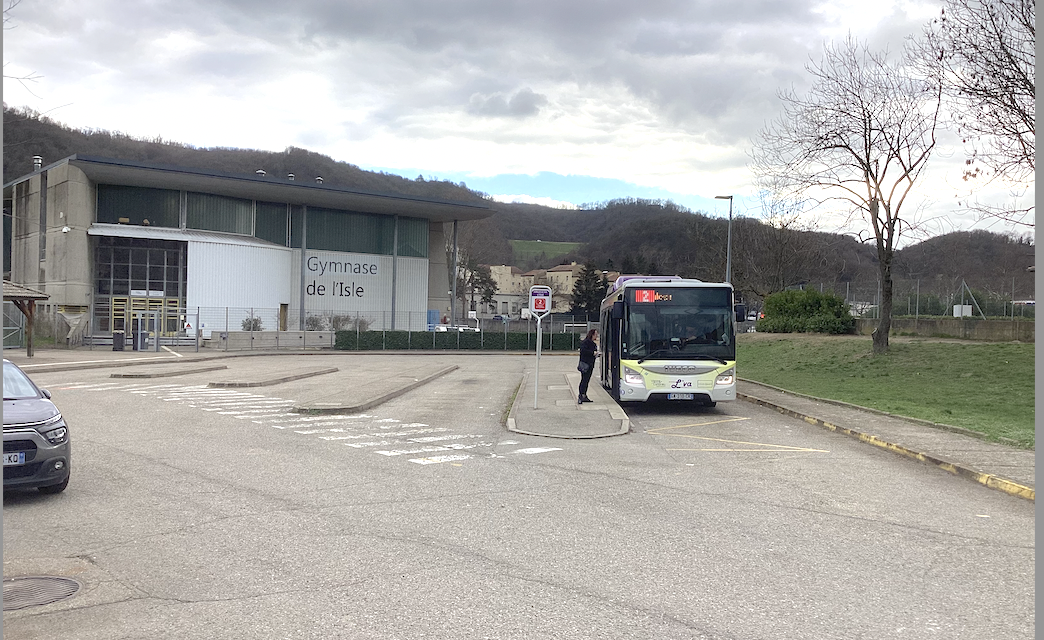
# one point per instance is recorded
(651, 295)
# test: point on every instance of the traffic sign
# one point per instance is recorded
(540, 300)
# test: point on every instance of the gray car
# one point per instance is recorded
(36, 438)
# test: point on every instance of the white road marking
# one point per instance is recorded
(361, 431)
(441, 459)
(533, 450)
(356, 436)
(441, 438)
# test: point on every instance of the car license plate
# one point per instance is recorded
(11, 459)
(679, 396)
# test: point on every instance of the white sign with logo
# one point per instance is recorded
(539, 306)
(539, 301)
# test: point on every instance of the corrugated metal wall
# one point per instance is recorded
(233, 275)
(334, 280)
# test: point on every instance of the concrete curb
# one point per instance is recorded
(849, 405)
(167, 374)
(271, 381)
(615, 411)
(986, 479)
(369, 404)
(514, 403)
(48, 367)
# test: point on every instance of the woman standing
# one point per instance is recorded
(588, 353)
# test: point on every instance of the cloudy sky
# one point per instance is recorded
(557, 101)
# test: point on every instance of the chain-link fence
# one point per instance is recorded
(934, 297)
(242, 328)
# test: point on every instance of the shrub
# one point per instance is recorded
(345, 322)
(315, 323)
(806, 312)
(253, 323)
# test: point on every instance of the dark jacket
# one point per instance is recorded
(587, 351)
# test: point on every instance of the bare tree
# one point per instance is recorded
(860, 137)
(778, 252)
(984, 52)
(29, 77)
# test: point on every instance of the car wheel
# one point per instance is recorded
(55, 488)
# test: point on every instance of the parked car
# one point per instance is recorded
(36, 439)
(501, 318)
(459, 328)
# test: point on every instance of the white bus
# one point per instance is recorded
(670, 338)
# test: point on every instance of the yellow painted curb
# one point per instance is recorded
(986, 479)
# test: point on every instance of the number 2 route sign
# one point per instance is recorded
(540, 300)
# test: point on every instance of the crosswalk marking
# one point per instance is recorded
(387, 437)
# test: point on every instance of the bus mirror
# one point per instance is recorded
(618, 307)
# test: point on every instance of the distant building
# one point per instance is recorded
(126, 242)
(511, 293)
(561, 279)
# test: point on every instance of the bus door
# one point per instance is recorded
(612, 345)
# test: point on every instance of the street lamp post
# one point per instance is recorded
(728, 248)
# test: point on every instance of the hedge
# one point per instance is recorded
(806, 312)
(439, 340)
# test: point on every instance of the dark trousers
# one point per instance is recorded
(585, 379)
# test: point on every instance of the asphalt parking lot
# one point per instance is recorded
(200, 511)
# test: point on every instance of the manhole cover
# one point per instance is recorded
(32, 591)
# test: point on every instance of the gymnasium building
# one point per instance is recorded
(116, 243)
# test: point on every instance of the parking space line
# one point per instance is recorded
(762, 446)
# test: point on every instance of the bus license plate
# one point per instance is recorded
(11, 459)
(679, 396)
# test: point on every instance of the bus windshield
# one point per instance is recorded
(679, 324)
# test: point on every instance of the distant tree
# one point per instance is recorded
(778, 252)
(985, 53)
(862, 136)
(588, 291)
(474, 279)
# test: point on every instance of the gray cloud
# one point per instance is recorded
(525, 102)
(704, 70)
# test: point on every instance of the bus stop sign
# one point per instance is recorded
(540, 300)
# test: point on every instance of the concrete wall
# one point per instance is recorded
(65, 271)
(270, 340)
(438, 271)
(967, 328)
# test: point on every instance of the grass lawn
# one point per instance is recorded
(526, 249)
(985, 387)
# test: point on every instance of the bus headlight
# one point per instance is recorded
(725, 378)
(632, 377)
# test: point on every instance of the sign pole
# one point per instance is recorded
(536, 378)
(539, 306)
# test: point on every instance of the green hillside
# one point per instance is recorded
(533, 250)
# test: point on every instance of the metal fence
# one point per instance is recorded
(935, 297)
(243, 328)
(14, 327)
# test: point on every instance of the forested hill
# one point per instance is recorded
(638, 236)
(27, 134)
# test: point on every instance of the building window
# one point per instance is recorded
(413, 237)
(336, 230)
(127, 266)
(220, 213)
(271, 222)
(141, 206)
